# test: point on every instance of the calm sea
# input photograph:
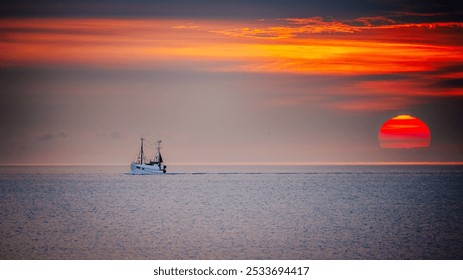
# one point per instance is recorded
(230, 212)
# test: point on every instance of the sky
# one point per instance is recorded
(227, 81)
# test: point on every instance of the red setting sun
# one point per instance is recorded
(404, 131)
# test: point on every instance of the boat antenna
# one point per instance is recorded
(158, 147)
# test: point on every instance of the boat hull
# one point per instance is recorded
(145, 169)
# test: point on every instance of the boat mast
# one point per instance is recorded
(141, 151)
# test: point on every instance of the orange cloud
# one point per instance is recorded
(144, 42)
(346, 57)
(288, 28)
(312, 46)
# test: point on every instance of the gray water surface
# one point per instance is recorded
(300, 212)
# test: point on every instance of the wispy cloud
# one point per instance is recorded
(303, 27)
(50, 136)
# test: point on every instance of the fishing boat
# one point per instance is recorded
(143, 167)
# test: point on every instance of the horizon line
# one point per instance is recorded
(288, 163)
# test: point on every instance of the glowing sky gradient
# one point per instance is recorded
(279, 86)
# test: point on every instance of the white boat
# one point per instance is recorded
(143, 167)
